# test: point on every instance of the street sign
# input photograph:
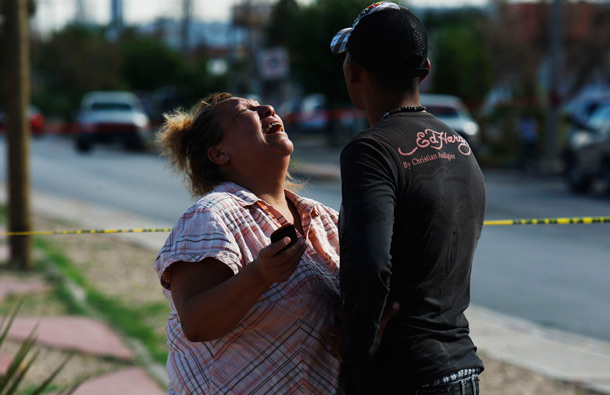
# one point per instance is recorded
(273, 63)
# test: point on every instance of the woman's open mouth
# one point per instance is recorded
(273, 127)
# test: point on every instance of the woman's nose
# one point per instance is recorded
(266, 111)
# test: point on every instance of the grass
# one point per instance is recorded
(129, 319)
(132, 322)
(3, 215)
(55, 259)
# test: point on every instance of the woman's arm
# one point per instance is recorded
(211, 300)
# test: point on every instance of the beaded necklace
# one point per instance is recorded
(403, 109)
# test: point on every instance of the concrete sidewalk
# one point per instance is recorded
(80, 334)
(559, 355)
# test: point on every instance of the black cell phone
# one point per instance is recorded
(286, 230)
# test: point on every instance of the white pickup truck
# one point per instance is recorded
(108, 116)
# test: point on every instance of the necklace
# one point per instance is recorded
(403, 109)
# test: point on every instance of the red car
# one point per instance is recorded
(36, 122)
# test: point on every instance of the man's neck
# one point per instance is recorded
(378, 103)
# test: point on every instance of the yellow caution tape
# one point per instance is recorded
(549, 221)
(496, 222)
(84, 231)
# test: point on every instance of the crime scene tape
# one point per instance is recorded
(84, 231)
(549, 221)
(494, 222)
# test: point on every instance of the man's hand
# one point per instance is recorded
(336, 336)
(389, 312)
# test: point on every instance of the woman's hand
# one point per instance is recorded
(211, 300)
(274, 266)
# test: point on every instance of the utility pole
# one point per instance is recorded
(116, 18)
(17, 103)
(187, 10)
(554, 97)
(80, 11)
(249, 13)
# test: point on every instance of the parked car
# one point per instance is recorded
(109, 116)
(307, 115)
(312, 115)
(452, 111)
(36, 122)
(578, 110)
(587, 155)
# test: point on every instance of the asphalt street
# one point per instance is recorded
(557, 276)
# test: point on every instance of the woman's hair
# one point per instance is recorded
(185, 139)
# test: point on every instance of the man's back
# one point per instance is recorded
(413, 197)
(412, 213)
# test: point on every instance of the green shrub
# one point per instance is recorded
(23, 361)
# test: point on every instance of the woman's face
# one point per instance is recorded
(253, 134)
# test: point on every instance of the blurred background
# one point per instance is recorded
(525, 71)
(527, 83)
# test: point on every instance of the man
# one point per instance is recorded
(411, 217)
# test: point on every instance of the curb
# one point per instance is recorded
(555, 354)
(564, 356)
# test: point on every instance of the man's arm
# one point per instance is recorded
(367, 220)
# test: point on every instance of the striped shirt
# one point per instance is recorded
(280, 346)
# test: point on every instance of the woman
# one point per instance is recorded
(245, 316)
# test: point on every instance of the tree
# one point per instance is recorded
(75, 60)
(80, 58)
(587, 28)
(461, 65)
(517, 47)
(148, 63)
(282, 25)
(307, 32)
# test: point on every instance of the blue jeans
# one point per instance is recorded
(465, 386)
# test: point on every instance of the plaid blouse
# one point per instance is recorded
(281, 345)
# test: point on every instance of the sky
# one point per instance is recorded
(53, 14)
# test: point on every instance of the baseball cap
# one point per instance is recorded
(385, 37)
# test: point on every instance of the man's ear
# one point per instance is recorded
(428, 66)
(354, 71)
(218, 156)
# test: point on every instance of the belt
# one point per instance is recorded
(465, 386)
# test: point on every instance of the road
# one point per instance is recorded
(555, 275)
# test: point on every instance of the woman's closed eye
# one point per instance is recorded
(243, 110)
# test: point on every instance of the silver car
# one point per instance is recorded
(452, 111)
(587, 156)
(107, 116)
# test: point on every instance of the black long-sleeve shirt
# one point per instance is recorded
(412, 213)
